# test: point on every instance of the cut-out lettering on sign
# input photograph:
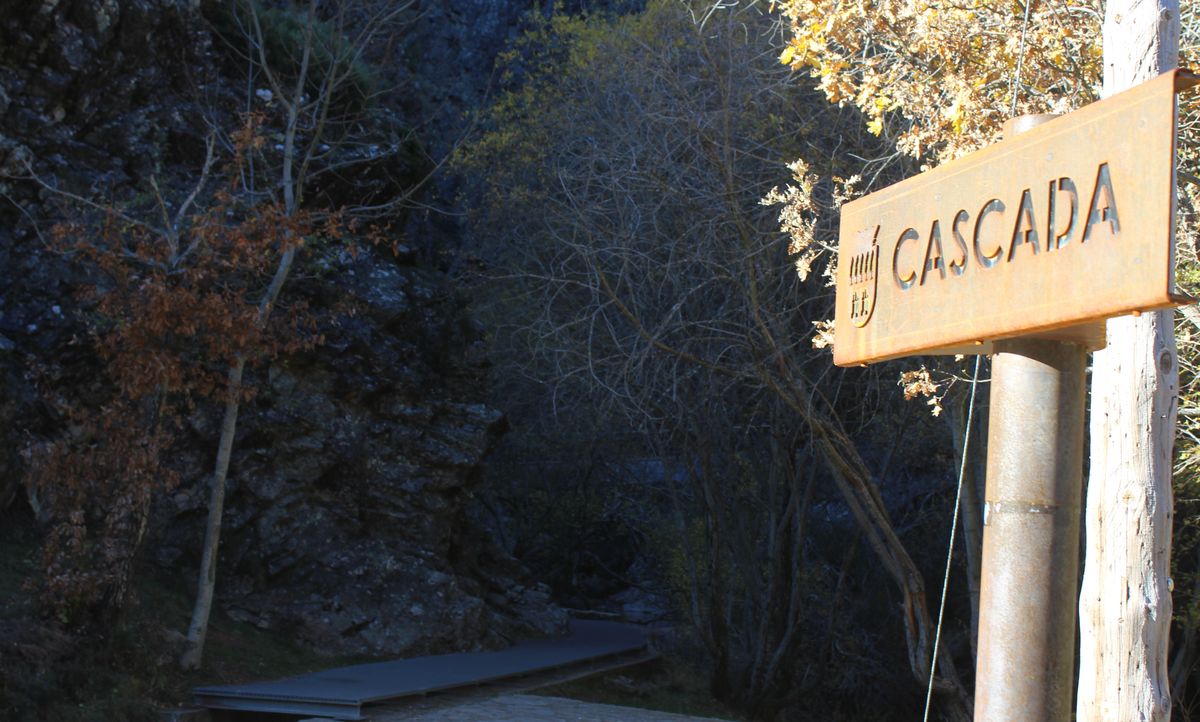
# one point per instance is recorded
(1068, 223)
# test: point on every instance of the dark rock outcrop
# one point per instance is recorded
(353, 465)
(345, 521)
(94, 95)
(99, 90)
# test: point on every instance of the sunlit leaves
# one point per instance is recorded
(948, 69)
(936, 79)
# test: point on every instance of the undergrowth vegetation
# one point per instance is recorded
(127, 671)
(644, 304)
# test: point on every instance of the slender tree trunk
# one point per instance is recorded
(867, 507)
(206, 587)
(198, 629)
(861, 494)
(971, 509)
(1125, 604)
(972, 515)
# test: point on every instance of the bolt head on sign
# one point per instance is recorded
(1042, 234)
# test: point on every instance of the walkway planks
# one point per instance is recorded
(341, 693)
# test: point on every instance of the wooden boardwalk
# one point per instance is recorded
(342, 693)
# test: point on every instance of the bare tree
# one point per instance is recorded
(319, 90)
(626, 195)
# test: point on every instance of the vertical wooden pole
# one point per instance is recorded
(1125, 604)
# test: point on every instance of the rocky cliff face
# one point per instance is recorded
(96, 95)
(101, 90)
(345, 522)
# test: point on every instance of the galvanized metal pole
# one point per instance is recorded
(1030, 572)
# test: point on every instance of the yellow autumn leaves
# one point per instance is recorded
(937, 77)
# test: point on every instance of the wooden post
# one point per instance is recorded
(1125, 604)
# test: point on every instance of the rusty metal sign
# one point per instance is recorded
(1041, 234)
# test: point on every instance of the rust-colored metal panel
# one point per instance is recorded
(1042, 234)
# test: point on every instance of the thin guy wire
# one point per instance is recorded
(1020, 59)
(962, 471)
